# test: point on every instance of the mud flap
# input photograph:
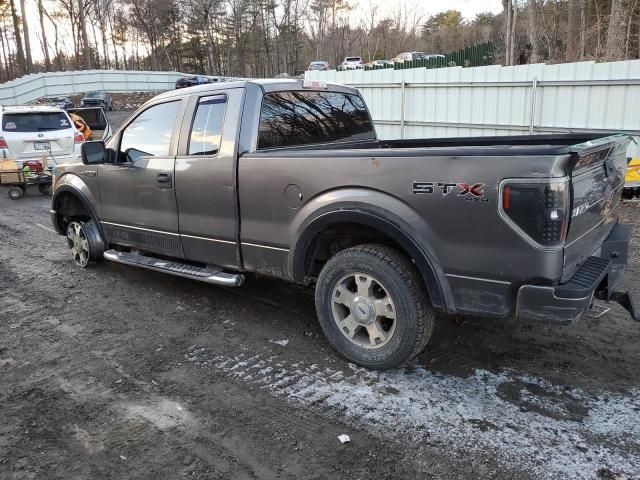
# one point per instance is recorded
(628, 303)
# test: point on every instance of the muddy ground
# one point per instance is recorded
(114, 372)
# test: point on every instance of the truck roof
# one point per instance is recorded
(268, 85)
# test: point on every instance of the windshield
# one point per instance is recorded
(34, 122)
(353, 59)
(94, 95)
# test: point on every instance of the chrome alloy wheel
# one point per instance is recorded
(78, 244)
(363, 310)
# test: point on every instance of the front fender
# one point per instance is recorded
(72, 184)
(377, 210)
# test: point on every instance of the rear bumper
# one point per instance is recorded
(565, 303)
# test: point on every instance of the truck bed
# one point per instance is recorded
(494, 145)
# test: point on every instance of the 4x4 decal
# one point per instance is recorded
(470, 191)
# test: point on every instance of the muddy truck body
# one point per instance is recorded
(287, 179)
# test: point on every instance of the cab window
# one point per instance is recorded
(206, 130)
(150, 133)
(298, 118)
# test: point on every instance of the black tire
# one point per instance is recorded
(95, 246)
(16, 193)
(399, 280)
(44, 189)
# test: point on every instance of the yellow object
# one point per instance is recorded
(633, 173)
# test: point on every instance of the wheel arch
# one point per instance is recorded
(386, 224)
(68, 196)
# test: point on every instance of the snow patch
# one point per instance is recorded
(550, 430)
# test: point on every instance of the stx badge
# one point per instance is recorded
(471, 192)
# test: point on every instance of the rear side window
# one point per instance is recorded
(35, 122)
(304, 118)
(207, 126)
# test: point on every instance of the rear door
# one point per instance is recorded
(206, 178)
(137, 190)
(33, 134)
(96, 120)
(597, 181)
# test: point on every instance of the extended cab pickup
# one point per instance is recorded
(288, 179)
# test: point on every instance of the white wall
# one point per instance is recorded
(30, 87)
(496, 100)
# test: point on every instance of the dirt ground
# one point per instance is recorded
(114, 372)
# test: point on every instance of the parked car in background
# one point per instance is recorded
(352, 63)
(318, 65)
(192, 81)
(34, 132)
(62, 102)
(380, 63)
(97, 99)
(411, 56)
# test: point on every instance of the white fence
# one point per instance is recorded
(495, 100)
(31, 87)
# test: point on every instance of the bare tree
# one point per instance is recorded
(27, 41)
(532, 30)
(573, 31)
(43, 32)
(86, 49)
(22, 67)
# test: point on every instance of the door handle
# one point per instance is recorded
(164, 179)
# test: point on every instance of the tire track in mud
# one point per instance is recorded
(551, 430)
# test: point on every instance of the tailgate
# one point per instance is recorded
(597, 180)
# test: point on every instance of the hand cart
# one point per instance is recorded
(17, 181)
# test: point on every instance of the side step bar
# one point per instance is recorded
(175, 268)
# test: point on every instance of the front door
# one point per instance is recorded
(137, 190)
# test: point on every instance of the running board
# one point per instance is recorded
(175, 268)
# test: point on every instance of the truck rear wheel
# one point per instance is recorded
(372, 306)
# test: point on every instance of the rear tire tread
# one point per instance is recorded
(414, 290)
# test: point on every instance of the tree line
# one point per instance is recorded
(270, 37)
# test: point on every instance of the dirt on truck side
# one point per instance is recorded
(115, 372)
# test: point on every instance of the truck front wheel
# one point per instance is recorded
(85, 244)
(372, 306)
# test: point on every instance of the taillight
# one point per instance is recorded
(538, 211)
(3, 143)
(78, 137)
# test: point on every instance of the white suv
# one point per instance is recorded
(34, 132)
(352, 63)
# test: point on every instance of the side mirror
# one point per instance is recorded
(93, 153)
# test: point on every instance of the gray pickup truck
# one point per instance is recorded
(287, 178)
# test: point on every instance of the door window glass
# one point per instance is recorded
(206, 131)
(150, 133)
